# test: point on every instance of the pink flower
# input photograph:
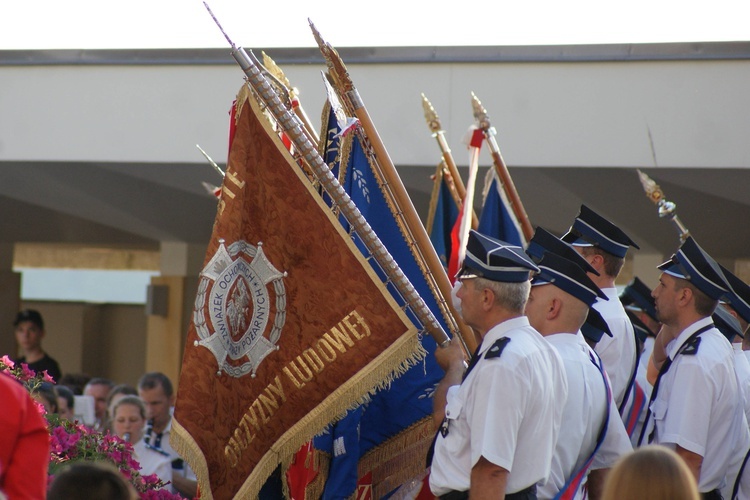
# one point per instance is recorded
(47, 378)
(7, 361)
(40, 408)
(26, 372)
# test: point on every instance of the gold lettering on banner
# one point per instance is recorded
(235, 180)
(301, 370)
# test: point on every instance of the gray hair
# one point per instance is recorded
(511, 296)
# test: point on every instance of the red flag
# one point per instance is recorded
(290, 326)
(453, 261)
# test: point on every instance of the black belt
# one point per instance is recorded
(712, 495)
(525, 494)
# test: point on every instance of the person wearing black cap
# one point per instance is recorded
(604, 245)
(640, 308)
(29, 330)
(696, 405)
(594, 437)
(499, 418)
(737, 302)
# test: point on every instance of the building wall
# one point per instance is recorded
(101, 340)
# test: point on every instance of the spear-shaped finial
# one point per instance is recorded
(211, 161)
(276, 71)
(480, 114)
(234, 47)
(336, 66)
(433, 120)
(667, 209)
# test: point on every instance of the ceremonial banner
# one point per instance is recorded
(291, 327)
(496, 220)
(444, 218)
(382, 444)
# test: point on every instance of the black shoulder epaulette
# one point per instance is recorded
(497, 348)
(691, 348)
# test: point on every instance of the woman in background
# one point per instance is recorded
(128, 421)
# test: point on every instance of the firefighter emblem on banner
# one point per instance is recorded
(240, 292)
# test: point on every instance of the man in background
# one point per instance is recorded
(29, 330)
(155, 389)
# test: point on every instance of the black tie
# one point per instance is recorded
(690, 344)
(662, 371)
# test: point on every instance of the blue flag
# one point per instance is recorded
(446, 213)
(496, 219)
(383, 443)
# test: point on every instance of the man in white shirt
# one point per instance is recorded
(498, 419)
(594, 436)
(696, 406)
(155, 389)
(604, 245)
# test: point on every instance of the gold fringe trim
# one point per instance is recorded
(398, 459)
(323, 142)
(403, 353)
(408, 487)
(315, 489)
(186, 447)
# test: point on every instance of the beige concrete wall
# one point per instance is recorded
(102, 340)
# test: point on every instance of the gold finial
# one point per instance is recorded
(336, 66)
(480, 114)
(433, 120)
(652, 189)
(667, 209)
(278, 73)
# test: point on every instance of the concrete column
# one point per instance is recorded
(174, 293)
(10, 299)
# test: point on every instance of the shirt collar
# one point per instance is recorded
(677, 343)
(502, 329)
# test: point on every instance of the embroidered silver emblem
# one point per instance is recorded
(233, 307)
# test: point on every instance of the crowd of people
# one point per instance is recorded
(140, 415)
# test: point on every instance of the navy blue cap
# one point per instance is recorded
(595, 327)
(727, 324)
(568, 277)
(591, 229)
(641, 330)
(544, 241)
(692, 263)
(739, 294)
(637, 294)
(495, 260)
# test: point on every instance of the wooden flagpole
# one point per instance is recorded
(420, 240)
(483, 121)
(433, 123)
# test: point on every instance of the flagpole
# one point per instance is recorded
(278, 73)
(433, 123)
(420, 239)
(483, 121)
(210, 161)
(295, 131)
(437, 181)
(667, 209)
